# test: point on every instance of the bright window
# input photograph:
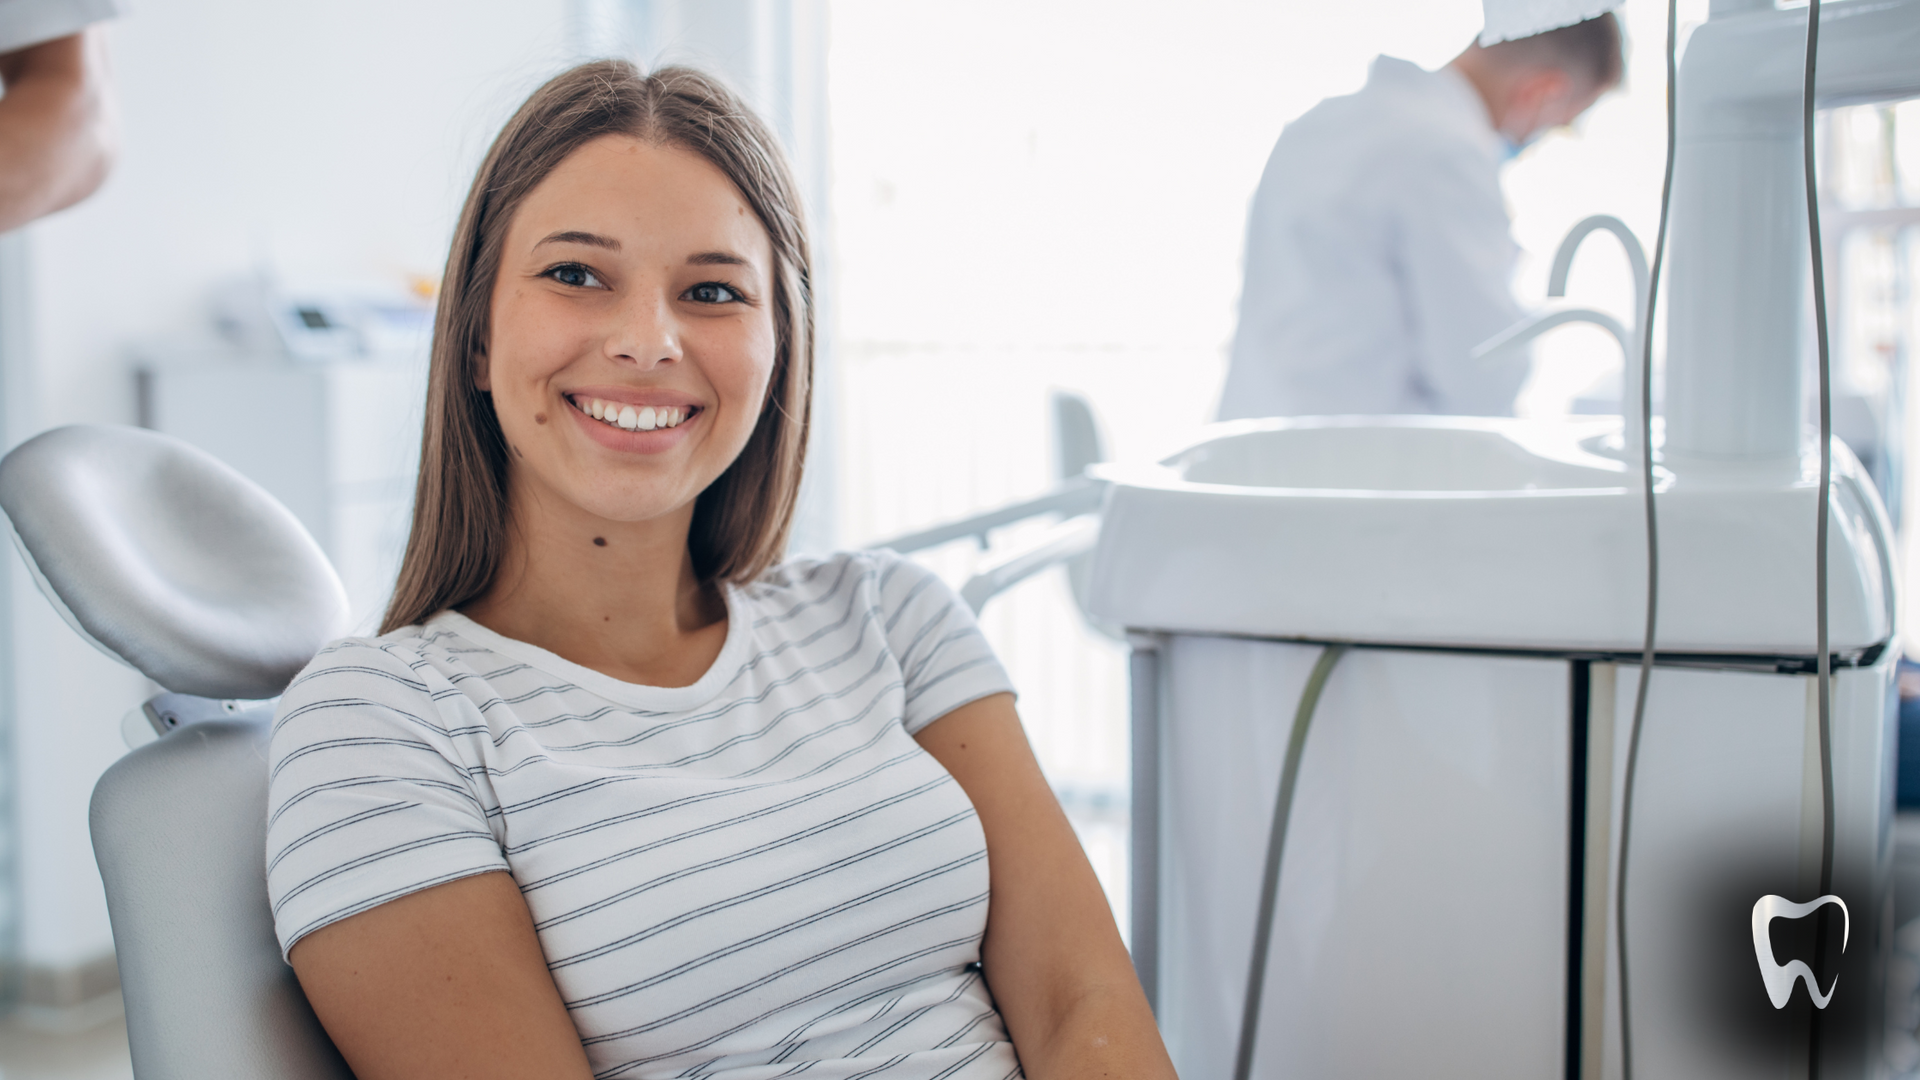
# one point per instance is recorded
(1038, 195)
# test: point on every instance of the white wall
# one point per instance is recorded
(325, 140)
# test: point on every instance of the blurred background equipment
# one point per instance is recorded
(317, 397)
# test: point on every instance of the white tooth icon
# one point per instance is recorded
(1778, 977)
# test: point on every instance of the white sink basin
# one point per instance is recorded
(1480, 533)
(1398, 454)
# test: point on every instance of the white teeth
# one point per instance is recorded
(634, 418)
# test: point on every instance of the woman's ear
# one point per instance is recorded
(482, 373)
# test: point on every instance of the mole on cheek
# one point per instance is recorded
(539, 418)
(599, 541)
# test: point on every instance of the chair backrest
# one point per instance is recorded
(180, 832)
(173, 563)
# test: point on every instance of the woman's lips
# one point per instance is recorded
(635, 428)
(631, 417)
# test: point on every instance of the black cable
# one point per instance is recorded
(1653, 549)
(1276, 845)
(1823, 677)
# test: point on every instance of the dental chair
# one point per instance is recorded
(174, 564)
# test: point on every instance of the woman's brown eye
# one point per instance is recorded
(712, 292)
(575, 275)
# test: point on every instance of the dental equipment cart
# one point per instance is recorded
(1444, 905)
(1452, 848)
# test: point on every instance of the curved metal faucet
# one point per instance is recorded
(1520, 334)
(1636, 258)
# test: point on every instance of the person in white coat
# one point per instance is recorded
(1378, 248)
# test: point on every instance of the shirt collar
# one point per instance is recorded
(726, 668)
(1447, 91)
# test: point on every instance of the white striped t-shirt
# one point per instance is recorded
(755, 876)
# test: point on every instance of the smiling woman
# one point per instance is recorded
(558, 141)
(613, 794)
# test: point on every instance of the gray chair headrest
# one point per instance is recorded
(169, 561)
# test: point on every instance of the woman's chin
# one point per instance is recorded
(620, 510)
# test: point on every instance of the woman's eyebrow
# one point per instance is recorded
(718, 258)
(575, 236)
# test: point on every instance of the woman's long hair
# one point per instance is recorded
(741, 522)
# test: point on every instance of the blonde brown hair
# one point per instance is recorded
(741, 521)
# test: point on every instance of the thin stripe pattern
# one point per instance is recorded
(756, 876)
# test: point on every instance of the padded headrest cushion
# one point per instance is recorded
(170, 561)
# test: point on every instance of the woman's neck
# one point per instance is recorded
(620, 598)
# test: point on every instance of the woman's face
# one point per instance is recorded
(632, 331)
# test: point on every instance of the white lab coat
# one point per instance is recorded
(1378, 256)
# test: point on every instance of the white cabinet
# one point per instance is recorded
(1421, 926)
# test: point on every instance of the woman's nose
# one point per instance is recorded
(646, 335)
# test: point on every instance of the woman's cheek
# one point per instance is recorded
(762, 351)
(545, 333)
(743, 364)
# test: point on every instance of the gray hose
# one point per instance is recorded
(1823, 666)
(1276, 844)
(1650, 512)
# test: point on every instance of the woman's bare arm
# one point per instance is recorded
(450, 982)
(444, 984)
(1052, 956)
(56, 134)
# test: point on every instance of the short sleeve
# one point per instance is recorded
(942, 653)
(30, 22)
(368, 798)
